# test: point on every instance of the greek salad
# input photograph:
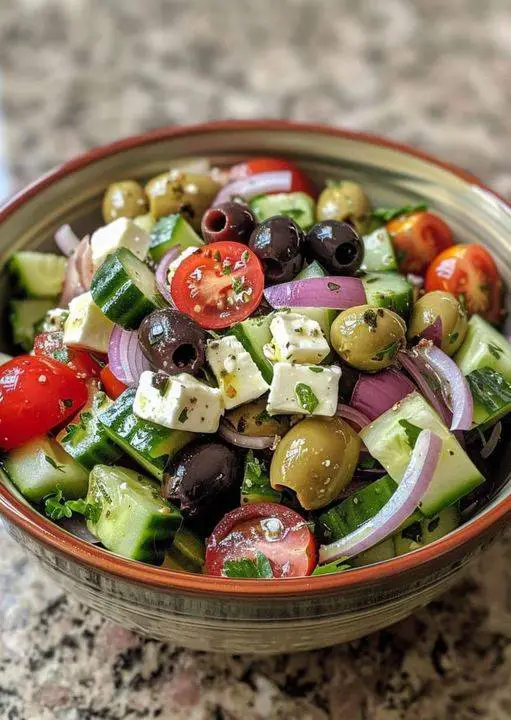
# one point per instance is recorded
(244, 375)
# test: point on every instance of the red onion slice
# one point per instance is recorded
(375, 394)
(418, 371)
(259, 184)
(125, 356)
(454, 384)
(411, 489)
(66, 240)
(162, 272)
(251, 442)
(352, 415)
(334, 292)
(433, 332)
(84, 262)
(493, 441)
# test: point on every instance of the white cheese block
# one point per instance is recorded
(122, 232)
(238, 377)
(86, 327)
(307, 389)
(297, 339)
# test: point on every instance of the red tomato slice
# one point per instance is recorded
(111, 385)
(417, 239)
(470, 273)
(299, 182)
(276, 531)
(36, 395)
(220, 284)
(52, 345)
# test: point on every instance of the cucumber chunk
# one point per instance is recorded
(37, 275)
(148, 444)
(41, 466)
(299, 206)
(187, 552)
(324, 316)
(132, 518)
(314, 270)
(384, 550)
(254, 334)
(387, 440)
(256, 487)
(492, 396)
(125, 289)
(170, 231)
(484, 347)
(86, 439)
(389, 290)
(146, 222)
(427, 530)
(24, 316)
(379, 253)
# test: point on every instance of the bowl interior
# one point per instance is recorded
(389, 175)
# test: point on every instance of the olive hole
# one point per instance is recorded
(345, 253)
(272, 268)
(184, 355)
(216, 221)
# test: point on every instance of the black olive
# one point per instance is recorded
(173, 342)
(279, 244)
(203, 478)
(336, 245)
(228, 221)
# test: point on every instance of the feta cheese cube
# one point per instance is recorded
(305, 389)
(238, 377)
(122, 232)
(297, 339)
(179, 402)
(177, 262)
(86, 326)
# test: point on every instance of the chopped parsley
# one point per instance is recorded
(386, 214)
(54, 464)
(371, 319)
(453, 337)
(238, 285)
(495, 350)
(306, 398)
(334, 287)
(388, 351)
(57, 508)
(316, 369)
(261, 417)
(258, 567)
(412, 432)
(183, 415)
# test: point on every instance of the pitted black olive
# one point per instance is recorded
(278, 243)
(172, 342)
(232, 221)
(203, 478)
(336, 245)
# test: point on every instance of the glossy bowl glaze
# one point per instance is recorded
(221, 614)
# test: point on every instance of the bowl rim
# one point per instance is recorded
(51, 535)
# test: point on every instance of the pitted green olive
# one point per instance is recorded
(368, 338)
(345, 201)
(452, 324)
(124, 199)
(187, 193)
(316, 459)
(252, 419)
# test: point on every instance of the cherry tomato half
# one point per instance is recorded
(220, 284)
(276, 531)
(111, 385)
(470, 273)
(417, 239)
(36, 395)
(52, 345)
(299, 180)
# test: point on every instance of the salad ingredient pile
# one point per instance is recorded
(248, 376)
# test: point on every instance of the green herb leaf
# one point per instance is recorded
(238, 285)
(386, 214)
(306, 398)
(258, 567)
(495, 350)
(453, 337)
(368, 462)
(412, 432)
(388, 351)
(54, 464)
(332, 567)
(262, 417)
(316, 369)
(183, 415)
(333, 286)
(56, 508)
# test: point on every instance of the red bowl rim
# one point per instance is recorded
(49, 534)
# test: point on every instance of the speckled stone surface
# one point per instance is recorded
(432, 73)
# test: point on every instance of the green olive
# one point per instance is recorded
(368, 338)
(252, 419)
(452, 315)
(187, 193)
(124, 199)
(346, 201)
(316, 459)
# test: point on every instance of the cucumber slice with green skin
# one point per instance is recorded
(254, 334)
(379, 253)
(132, 518)
(170, 231)
(492, 396)
(256, 487)
(426, 531)
(324, 316)
(150, 445)
(187, 552)
(125, 289)
(37, 275)
(41, 466)
(299, 206)
(24, 316)
(87, 440)
(389, 290)
(484, 347)
(387, 440)
(384, 550)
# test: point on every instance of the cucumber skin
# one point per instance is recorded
(21, 266)
(170, 231)
(491, 393)
(379, 293)
(253, 344)
(117, 296)
(141, 438)
(187, 552)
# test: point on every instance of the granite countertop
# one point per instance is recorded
(77, 73)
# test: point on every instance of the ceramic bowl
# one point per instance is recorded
(222, 614)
